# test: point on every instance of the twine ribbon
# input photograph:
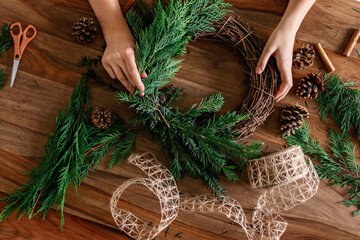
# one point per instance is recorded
(289, 178)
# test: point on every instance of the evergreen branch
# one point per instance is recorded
(2, 79)
(341, 170)
(62, 164)
(5, 38)
(341, 101)
(5, 43)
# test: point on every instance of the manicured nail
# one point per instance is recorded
(258, 70)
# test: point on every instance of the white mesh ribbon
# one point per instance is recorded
(162, 184)
(289, 176)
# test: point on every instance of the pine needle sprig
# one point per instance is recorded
(341, 169)
(340, 101)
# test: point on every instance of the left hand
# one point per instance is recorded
(280, 45)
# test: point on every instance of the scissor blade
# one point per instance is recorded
(14, 71)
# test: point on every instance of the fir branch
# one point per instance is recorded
(341, 101)
(341, 169)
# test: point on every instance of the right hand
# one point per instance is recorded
(119, 61)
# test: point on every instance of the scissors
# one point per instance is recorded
(21, 40)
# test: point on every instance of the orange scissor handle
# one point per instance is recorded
(21, 39)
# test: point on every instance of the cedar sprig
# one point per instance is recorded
(62, 164)
(5, 43)
(2, 79)
(75, 147)
(5, 38)
(341, 101)
(203, 149)
(341, 168)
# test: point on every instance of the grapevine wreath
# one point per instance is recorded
(197, 142)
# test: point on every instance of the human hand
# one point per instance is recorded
(280, 45)
(119, 61)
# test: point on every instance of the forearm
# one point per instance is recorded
(295, 14)
(110, 17)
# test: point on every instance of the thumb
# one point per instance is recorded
(263, 60)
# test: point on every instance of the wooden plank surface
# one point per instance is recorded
(28, 113)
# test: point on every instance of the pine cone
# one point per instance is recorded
(310, 86)
(84, 30)
(292, 118)
(102, 117)
(304, 57)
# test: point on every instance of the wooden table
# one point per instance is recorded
(46, 78)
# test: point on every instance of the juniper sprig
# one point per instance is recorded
(341, 101)
(341, 168)
(5, 43)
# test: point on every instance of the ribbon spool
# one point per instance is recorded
(289, 176)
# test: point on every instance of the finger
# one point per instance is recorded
(287, 82)
(110, 71)
(121, 77)
(134, 72)
(282, 92)
(144, 75)
(263, 59)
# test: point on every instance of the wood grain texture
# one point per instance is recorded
(46, 78)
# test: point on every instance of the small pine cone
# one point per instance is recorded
(84, 30)
(102, 117)
(292, 118)
(304, 57)
(310, 86)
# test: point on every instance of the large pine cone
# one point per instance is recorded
(102, 117)
(310, 86)
(292, 118)
(84, 30)
(304, 56)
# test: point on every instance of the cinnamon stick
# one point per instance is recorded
(350, 46)
(329, 66)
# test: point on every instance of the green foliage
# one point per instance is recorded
(73, 149)
(62, 164)
(164, 38)
(196, 141)
(5, 38)
(341, 169)
(2, 79)
(5, 42)
(201, 148)
(341, 101)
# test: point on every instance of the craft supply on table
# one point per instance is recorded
(329, 66)
(310, 86)
(292, 116)
(304, 57)
(84, 30)
(351, 44)
(21, 40)
(288, 176)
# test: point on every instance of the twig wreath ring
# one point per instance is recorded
(260, 101)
